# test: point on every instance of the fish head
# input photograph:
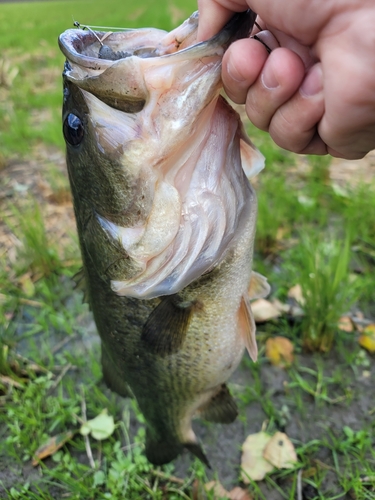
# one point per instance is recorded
(139, 108)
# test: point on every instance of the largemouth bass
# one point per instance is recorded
(166, 220)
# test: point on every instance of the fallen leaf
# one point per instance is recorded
(100, 427)
(280, 451)
(367, 339)
(51, 446)
(296, 293)
(279, 350)
(346, 324)
(280, 306)
(219, 491)
(253, 464)
(263, 310)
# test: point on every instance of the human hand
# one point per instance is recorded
(315, 92)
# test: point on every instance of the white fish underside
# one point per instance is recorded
(192, 163)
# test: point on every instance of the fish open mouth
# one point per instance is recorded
(86, 47)
(154, 106)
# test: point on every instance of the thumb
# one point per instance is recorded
(214, 15)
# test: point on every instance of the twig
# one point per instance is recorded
(299, 485)
(323, 465)
(86, 438)
(61, 344)
(60, 377)
(29, 302)
(162, 475)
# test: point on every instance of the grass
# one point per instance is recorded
(310, 231)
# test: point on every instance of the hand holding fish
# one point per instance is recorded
(315, 92)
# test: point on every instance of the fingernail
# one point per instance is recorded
(313, 82)
(233, 73)
(268, 77)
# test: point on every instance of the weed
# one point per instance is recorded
(37, 253)
(321, 267)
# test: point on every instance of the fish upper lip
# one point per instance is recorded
(74, 41)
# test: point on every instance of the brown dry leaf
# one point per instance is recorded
(296, 293)
(346, 324)
(263, 310)
(236, 493)
(253, 465)
(51, 446)
(279, 350)
(367, 339)
(280, 451)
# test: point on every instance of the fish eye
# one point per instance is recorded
(73, 129)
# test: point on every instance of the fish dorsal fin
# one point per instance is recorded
(259, 287)
(165, 329)
(247, 327)
(221, 408)
(251, 158)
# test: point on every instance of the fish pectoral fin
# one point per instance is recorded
(111, 377)
(259, 287)
(165, 329)
(247, 327)
(221, 408)
(196, 450)
(80, 284)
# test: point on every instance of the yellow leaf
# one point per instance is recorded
(367, 340)
(279, 350)
(51, 446)
(253, 465)
(280, 451)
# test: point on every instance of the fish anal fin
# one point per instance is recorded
(221, 408)
(259, 287)
(160, 452)
(196, 450)
(112, 379)
(165, 329)
(247, 328)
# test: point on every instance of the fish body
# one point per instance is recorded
(166, 220)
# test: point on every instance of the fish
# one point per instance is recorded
(166, 219)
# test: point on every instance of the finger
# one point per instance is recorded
(242, 63)
(281, 76)
(213, 15)
(267, 39)
(294, 124)
(289, 42)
